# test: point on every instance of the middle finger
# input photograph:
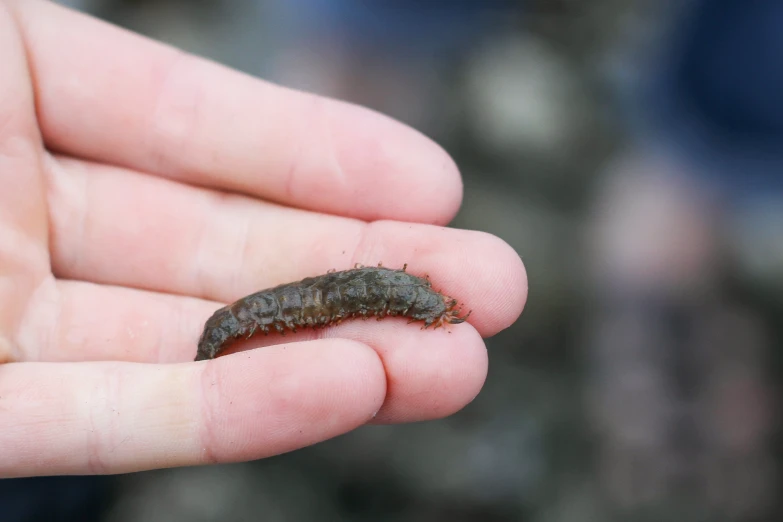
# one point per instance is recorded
(119, 227)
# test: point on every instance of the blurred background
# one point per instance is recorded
(632, 152)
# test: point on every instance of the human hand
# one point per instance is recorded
(142, 188)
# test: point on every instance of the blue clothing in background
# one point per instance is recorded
(718, 97)
(431, 26)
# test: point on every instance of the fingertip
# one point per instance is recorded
(483, 272)
(445, 374)
(501, 284)
(469, 374)
(400, 173)
(514, 273)
(264, 402)
(448, 186)
(440, 198)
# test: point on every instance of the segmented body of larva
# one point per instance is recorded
(325, 300)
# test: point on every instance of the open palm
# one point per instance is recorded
(141, 188)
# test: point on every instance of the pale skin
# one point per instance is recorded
(141, 188)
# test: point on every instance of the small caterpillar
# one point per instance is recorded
(328, 299)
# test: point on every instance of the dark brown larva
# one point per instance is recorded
(325, 300)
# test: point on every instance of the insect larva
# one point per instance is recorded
(325, 300)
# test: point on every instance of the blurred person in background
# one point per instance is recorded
(681, 392)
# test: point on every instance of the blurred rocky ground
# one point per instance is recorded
(584, 392)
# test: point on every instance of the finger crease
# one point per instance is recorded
(104, 422)
(364, 247)
(210, 381)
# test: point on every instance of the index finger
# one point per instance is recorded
(112, 96)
